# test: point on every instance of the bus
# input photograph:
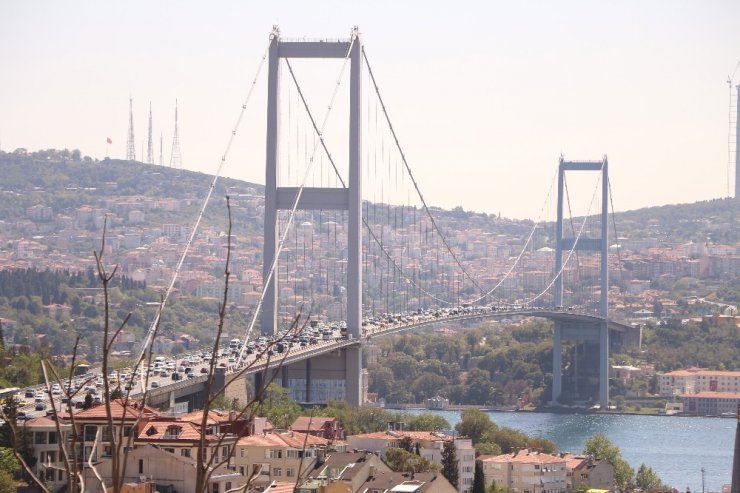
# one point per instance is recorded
(81, 369)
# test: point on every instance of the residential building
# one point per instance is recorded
(403, 482)
(277, 456)
(430, 445)
(343, 472)
(46, 442)
(527, 471)
(320, 426)
(586, 470)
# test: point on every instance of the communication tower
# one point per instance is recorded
(149, 146)
(130, 146)
(175, 156)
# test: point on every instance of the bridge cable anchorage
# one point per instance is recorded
(148, 339)
(614, 223)
(294, 207)
(413, 179)
(572, 249)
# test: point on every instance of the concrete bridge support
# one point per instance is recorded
(332, 376)
(597, 333)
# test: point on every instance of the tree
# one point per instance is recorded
(7, 485)
(278, 406)
(401, 460)
(449, 463)
(599, 446)
(479, 480)
(427, 422)
(647, 479)
(475, 424)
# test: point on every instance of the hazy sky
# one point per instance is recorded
(485, 95)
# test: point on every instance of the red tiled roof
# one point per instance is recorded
(414, 435)
(130, 412)
(311, 423)
(527, 457)
(186, 431)
(292, 439)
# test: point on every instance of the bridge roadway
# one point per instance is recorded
(169, 390)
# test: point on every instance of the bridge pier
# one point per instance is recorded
(604, 365)
(557, 363)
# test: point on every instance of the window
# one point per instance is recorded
(185, 452)
(90, 432)
(49, 474)
(51, 456)
(141, 466)
(126, 431)
(215, 488)
(227, 486)
(289, 472)
(52, 437)
(169, 449)
(40, 438)
(276, 454)
(277, 472)
(241, 453)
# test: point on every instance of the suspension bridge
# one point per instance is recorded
(350, 237)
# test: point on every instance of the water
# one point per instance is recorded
(675, 447)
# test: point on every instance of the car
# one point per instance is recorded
(30, 393)
(155, 384)
(40, 406)
(191, 375)
(22, 416)
(204, 370)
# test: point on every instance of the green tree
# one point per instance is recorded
(7, 485)
(8, 461)
(449, 463)
(487, 448)
(401, 460)
(647, 479)
(601, 447)
(279, 407)
(427, 422)
(88, 403)
(479, 481)
(476, 425)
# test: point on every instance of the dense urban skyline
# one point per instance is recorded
(485, 97)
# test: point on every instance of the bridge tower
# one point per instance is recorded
(317, 198)
(578, 331)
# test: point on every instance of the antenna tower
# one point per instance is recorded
(175, 156)
(149, 147)
(130, 147)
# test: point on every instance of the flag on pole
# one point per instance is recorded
(108, 139)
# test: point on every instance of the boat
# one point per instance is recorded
(728, 415)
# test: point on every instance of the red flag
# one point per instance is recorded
(109, 140)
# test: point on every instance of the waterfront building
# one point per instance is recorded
(711, 403)
(694, 380)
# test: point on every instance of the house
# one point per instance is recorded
(277, 456)
(429, 443)
(585, 470)
(402, 482)
(343, 472)
(527, 470)
(320, 426)
(46, 440)
(152, 464)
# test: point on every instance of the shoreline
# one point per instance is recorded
(551, 410)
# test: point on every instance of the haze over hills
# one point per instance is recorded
(66, 179)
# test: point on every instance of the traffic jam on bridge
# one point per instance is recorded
(314, 337)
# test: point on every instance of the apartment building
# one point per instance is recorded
(695, 380)
(527, 471)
